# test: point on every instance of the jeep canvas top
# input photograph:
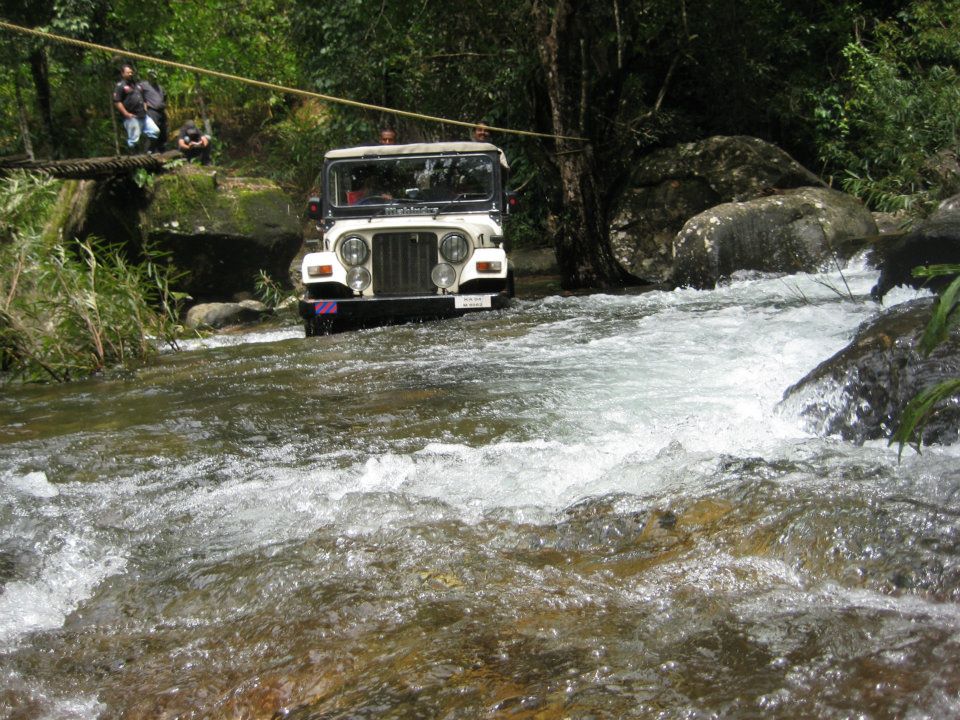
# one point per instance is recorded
(408, 232)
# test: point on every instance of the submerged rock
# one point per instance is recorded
(795, 231)
(860, 393)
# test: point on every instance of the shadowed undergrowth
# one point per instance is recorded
(71, 308)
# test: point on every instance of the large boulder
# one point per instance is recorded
(932, 242)
(793, 231)
(221, 231)
(860, 393)
(675, 184)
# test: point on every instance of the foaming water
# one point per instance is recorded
(579, 506)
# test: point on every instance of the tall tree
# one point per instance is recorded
(603, 86)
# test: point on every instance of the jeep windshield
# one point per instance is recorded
(412, 184)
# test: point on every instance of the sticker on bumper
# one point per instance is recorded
(462, 302)
(325, 308)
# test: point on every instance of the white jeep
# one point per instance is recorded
(409, 232)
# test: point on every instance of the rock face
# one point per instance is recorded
(794, 231)
(935, 241)
(222, 232)
(861, 391)
(675, 184)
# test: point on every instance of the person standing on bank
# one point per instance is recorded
(156, 99)
(129, 102)
(193, 144)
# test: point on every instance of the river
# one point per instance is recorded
(580, 507)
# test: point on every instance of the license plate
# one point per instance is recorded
(462, 302)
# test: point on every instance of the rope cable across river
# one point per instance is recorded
(44, 35)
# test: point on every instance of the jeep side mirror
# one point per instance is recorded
(314, 210)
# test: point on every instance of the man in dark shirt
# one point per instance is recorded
(129, 102)
(156, 100)
(193, 144)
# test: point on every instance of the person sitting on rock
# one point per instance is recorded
(193, 144)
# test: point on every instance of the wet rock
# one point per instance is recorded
(891, 223)
(793, 231)
(436, 580)
(935, 241)
(219, 315)
(675, 184)
(860, 393)
(8, 568)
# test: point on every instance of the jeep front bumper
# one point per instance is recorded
(330, 315)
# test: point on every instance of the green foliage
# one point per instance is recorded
(25, 202)
(291, 150)
(945, 315)
(143, 178)
(918, 412)
(250, 41)
(70, 309)
(466, 61)
(270, 292)
(921, 408)
(889, 129)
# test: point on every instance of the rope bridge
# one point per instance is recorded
(96, 168)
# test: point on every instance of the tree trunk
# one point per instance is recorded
(41, 81)
(203, 106)
(582, 243)
(22, 112)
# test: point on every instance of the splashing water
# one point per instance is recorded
(580, 507)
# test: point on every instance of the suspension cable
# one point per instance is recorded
(270, 86)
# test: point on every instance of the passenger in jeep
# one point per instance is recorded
(370, 189)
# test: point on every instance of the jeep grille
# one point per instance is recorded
(402, 263)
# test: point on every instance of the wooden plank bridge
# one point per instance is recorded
(94, 168)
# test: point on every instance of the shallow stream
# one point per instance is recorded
(581, 507)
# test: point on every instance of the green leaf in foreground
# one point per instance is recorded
(919, 411)
(944, 313)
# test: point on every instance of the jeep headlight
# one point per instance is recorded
(354, 251)
(358, 278)
(443, 275)
(454, 248)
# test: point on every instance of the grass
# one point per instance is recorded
(71, 308)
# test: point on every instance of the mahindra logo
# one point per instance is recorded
(411, 210)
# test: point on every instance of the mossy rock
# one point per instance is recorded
(673, 185)
(221, 231)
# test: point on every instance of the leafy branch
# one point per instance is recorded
(920, 410)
